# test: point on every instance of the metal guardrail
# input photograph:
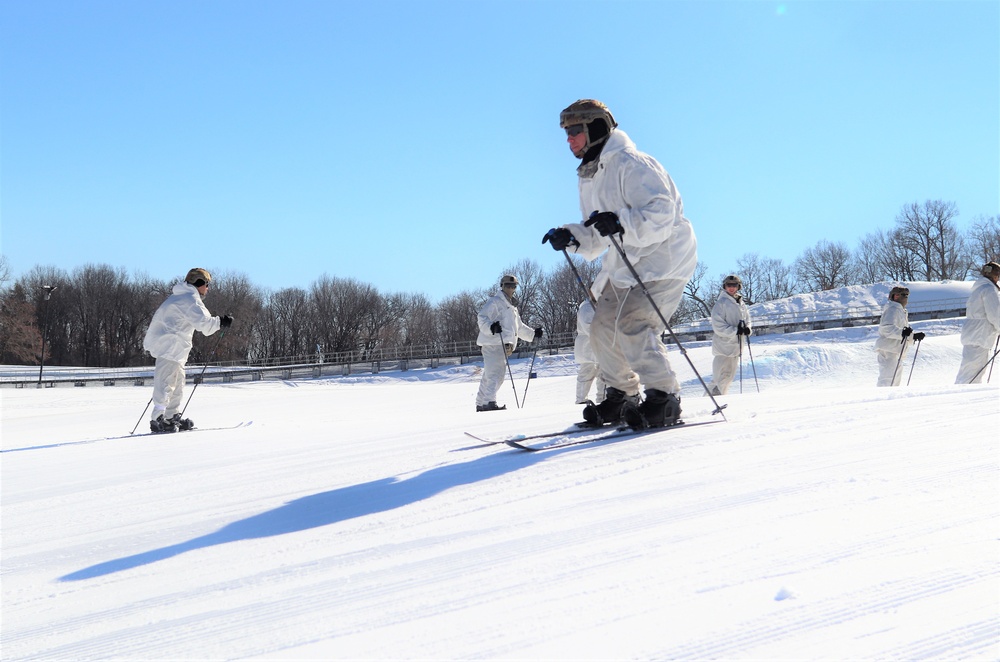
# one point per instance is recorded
(325, 365)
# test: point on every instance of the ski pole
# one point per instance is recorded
(666, 324)
(141, 415)
(524, 397)
(898, 361)
(915, 352)
(739, 338)
(750, 351)
(576, 272)
(988, 363)
(509, 372)
(995, 346)
(218, 342)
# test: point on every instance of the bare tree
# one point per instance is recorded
(764, 279)
(4, 271)
(382, 322)
(930, 234)
(884, 256)
(283, 325)
(983, 242)
(52, 318)
(825, 266)
(419, 323)
(137, 302)
(776, 281)
(562, 295)
(457, 316)
(699, 296)
(342, 321)
(531, 283)
(867, 257)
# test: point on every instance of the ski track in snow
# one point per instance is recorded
(826, 519)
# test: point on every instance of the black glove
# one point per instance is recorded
(495, 328)
(920, 335)
(907, 331)
(225, 321)
(560, 238)
(538, 332)
(605, 222)
(742, 329)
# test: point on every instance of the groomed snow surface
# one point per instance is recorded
(826, 519)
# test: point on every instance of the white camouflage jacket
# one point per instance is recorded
(982, 314)
(659, 241)
(174, 323)
(498, 309)
(890, 329)
(726, 316)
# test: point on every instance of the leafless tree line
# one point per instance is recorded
(925, 244)
(98, 314)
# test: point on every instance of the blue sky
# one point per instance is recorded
(415, 145)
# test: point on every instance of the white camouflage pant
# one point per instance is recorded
(586, 373)
(723, 372)
(168, 388)
(625, 336)
(494, 369)
(887, 363)
(974, 357)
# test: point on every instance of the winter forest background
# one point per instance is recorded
(97, 315)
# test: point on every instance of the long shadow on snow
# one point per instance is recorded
(329, 507)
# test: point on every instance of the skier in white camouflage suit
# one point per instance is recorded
(982, 325)
(168, 340)
(500, 326)
(894, 337)
(627, 194)
(730, 322)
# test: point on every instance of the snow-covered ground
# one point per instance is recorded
(826, 519)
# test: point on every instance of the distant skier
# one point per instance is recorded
(894, 337)
(982, 325)
(627, 193)
(730, 322)
(500, 326)
(587, 369)
(169, 340)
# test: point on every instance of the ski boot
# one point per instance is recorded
(182, 423)
(490, 406)
(658, 410)
(610, 409)
(160, 424)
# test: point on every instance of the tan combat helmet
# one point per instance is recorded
(198, 277)
(586, 112)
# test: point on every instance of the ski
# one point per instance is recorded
(617, 433)
(242, 424)
(577, 428)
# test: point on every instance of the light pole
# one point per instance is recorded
(49, 289)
